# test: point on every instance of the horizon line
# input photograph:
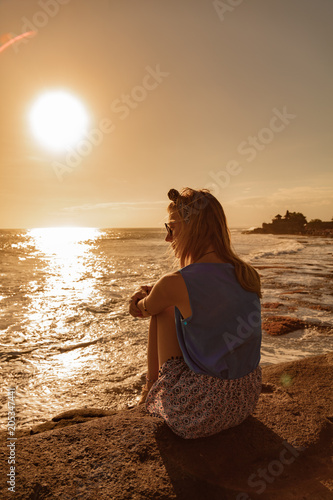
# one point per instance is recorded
(97, 227)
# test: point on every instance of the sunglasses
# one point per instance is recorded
(169, 230)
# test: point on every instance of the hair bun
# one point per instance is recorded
(173, 195)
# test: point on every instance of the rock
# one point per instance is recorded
(272, 305)
(278, 325)
(82, 412)
(281, 452)
(65, 419)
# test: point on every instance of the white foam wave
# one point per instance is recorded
(288, 247)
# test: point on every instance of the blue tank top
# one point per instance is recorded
(222, 337)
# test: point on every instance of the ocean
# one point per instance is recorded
(67, 340)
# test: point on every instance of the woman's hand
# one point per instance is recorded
(141, 293)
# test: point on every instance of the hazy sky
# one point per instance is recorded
(231, 95)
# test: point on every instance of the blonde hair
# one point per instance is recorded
(203, 224)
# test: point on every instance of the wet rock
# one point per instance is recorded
(82, 412)
(279, 325)
(271, 305)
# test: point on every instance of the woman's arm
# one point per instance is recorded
(142, 292)
(165, 293)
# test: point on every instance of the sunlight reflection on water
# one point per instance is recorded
(66, 254)
(65, 248)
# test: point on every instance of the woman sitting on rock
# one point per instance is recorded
(205, 328)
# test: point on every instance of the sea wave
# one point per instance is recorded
(131, 234)
(287, 247)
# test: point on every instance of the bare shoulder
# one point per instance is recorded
(171, 282)
(171, 279)
(173, 275)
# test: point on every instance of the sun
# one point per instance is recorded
(58, 119)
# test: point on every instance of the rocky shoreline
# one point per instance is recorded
(281, 452)
(294, 223)
(323, 233)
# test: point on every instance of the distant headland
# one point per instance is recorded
(294, 223)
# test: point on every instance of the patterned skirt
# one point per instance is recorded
(195, 405)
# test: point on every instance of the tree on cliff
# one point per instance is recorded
(296, 223)
(295, 218)
(292, 222)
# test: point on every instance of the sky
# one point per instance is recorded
(234, 96)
